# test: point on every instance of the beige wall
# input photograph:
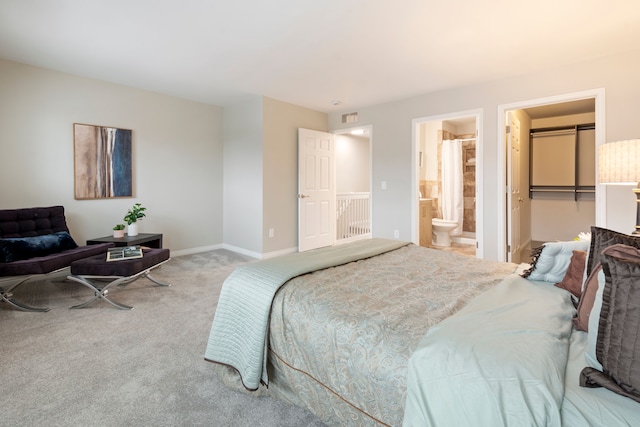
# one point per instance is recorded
(177, 154)
(391, 125)
(261, 174)
(280, 174)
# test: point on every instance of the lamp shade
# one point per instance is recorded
(619, 162)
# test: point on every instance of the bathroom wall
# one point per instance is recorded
(469, 182)
(429, 182)
(431, 187)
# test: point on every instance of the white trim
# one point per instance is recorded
(343, 131)
(463, 240)
(477, 114)
(278, 253)
(601, 202)
(242, 251)
(232, 248)
(190, 251)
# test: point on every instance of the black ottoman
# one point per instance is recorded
(96, 268)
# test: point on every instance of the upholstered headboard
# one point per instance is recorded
(29, 222)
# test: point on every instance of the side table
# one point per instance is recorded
(150, 240)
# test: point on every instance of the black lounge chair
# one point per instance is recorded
(35, 243)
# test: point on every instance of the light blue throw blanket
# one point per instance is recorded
(500, 361)
(239, 333)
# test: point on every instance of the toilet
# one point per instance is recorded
(441, 230)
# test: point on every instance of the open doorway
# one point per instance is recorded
(548, 206)
(447, 152)
(353, 184)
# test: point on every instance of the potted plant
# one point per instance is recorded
(118, 231)
(134, 214)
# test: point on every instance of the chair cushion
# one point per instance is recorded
(29, 222)
(53, 262)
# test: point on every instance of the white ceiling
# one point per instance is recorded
(311, 52)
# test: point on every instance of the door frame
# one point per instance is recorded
(601, 203)
(509, 200)
(477, 114)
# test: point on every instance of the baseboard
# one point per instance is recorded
(235, 249)
(278, 253)
(190, 251)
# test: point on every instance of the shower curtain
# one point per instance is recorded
(452, 183)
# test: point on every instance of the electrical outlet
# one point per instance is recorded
(272, 232)
(383, 185)
(396, 234)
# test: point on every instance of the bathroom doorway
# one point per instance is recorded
(447, 154)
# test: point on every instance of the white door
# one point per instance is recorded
(316, 189)
(514, 192)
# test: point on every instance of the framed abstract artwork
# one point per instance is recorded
(102, 162)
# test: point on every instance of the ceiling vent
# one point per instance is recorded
(350, 118)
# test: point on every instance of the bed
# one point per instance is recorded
(381, 332)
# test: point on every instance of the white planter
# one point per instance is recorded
(118, 234)
(132, 229)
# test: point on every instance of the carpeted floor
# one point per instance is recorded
(100, 366)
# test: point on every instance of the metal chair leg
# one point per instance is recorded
(7, 296)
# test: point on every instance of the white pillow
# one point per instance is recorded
(552, 262)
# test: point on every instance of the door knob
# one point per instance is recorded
(302, 196)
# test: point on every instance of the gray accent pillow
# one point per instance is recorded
(601, 238)
(618, 334)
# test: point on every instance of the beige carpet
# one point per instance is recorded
(100, 366)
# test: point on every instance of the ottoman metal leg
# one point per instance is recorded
(100, 292)
(154, 280)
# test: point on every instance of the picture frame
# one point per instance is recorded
(102, 162)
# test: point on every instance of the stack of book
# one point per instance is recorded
(125, 252)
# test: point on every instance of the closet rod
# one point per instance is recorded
(462, 140)
(584, 126)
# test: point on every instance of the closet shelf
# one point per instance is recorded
(585, 189)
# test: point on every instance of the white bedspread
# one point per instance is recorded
(497, 362)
